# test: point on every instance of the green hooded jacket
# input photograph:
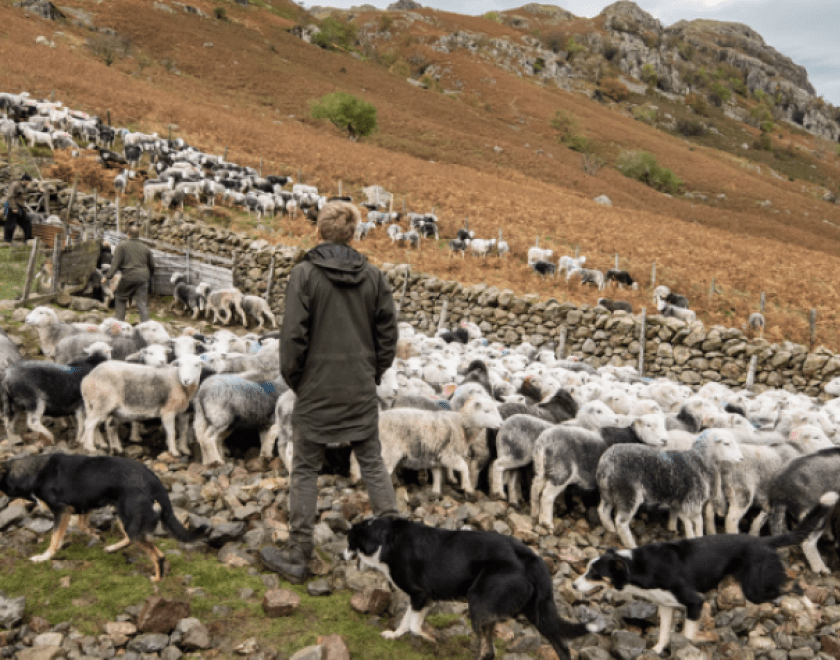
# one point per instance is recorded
(339, 335)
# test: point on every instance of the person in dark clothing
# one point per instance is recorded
(17, 213)
(339, 335)
(133, 259)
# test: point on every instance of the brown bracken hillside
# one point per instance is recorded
(488, 153)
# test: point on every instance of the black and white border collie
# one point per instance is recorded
(675, 574)
(499, 576)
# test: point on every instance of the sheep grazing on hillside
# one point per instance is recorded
(458, 245)
(664, 293)
(687, 316)
(755, 324)
(536, 254)
(615, 305)
(543, 268)
(621, 278)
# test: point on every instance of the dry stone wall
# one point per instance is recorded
(688, 354)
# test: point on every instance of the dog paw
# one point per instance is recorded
(390, 634)
(40, 558)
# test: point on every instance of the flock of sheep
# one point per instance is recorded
(463, 406)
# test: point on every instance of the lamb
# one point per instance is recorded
(559, 408)
(258, 309)
(567, 263)
(143, 334)
(481, 247)
(616, 305)
(799, 483)
(220, 301)
(9, 352)
(621, 278)
(536, 254)
(187, 294)
(51, 331)
(458, 245)
(34, 137)
(45, 388)
(421, 439)
(514, 446)
(121, 182)
(154, 188)
(685, 315)
(631, 475)
(748, 483)
(225, 403)
(592, 276)
(544, 268)
(755, 323)
(135, 392)
(664, 293)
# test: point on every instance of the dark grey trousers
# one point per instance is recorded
(139, 291)
(303, 489)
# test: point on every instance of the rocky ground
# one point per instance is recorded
(245, 503)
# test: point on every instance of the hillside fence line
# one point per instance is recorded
(693, 355)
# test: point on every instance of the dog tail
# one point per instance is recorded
(167, 517)
(814, 520)
(547, 620)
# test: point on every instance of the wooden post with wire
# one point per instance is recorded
(653, 275)
(269, 280)
(561, 344)
(642, 340)
(812, 322)
(56, 258)
(751, 373)
(30, 268)
(444, 310)
(761, 303)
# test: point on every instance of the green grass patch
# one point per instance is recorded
(13, 262)
(88, 587)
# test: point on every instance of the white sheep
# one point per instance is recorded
(51, 330)
(136, 392)
(420, 439)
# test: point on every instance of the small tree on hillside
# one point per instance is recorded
(347, 113)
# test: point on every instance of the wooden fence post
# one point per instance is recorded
(642, 340)
(616, 260)
(577, 251)
(653, 275)
(537, 242)
(561, 344)
(96, 213)
(30, 269)
(443, 312)
(761, 303)
(117, 206)
(812, 322)
(72, 199)
(711, 289)
(270, 279)
(751, 373)
(56, 261)
(188, 258)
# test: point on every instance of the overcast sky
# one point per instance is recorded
(807, 31)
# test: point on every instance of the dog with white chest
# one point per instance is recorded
(675, 574)
(499, 576)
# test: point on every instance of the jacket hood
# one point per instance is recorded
(340, 263)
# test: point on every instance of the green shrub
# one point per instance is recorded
(386, 21)
(493, 16)
(565, 123)
(690, 128)
(738, 86)
(642, 166)
(538, 65)
(644, 113)
(685, 50)
(649, 75)
(720, 93)
(347, 112)
(336, 34)
(573, 48)
(220, 13)
(579, 143)
(698, 104)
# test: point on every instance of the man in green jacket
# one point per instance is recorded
(133, 258)
(339, 336)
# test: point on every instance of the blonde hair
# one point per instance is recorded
(337, 222)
